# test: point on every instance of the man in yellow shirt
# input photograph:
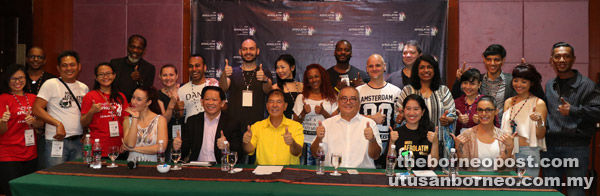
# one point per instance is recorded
(276, 140)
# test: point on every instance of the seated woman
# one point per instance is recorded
(484, 141)
(466, 104)
(525, 115)
(18, 150)
(146, 126)
(103, 106)
(418, 134)
(285, 66)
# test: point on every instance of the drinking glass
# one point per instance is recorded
(336, 161)
(175, 156)
(410, 162)
(520, 173)
(231, 160)
(113, 153)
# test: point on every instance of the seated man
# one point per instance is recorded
(277, 139)
(204, 133)
(353, 135)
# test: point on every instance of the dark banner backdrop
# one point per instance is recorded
(308, 30)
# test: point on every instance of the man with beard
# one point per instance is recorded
(378, 99)
(342, 71)
(573, 109)
(36, 76)
(133, 71)
(247, 85)
(410, 53)
(189, 93)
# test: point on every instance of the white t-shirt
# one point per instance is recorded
(487, 151)
(374, 99)
(311, 120)
(61, 105)
(348, 138)
(190, 94)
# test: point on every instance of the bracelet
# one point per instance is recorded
(170, 108)
(135, 117)
(538, 124)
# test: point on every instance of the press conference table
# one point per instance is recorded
(78, 179)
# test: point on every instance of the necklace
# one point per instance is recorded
(38, 83)
(21, 105)
(468, 106)
(513, 124)
(250, 74)
(290, 91)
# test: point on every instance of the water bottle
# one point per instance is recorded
(160, 154)
(321, 159)
(453, 165)
(87, 149)
(97, 153)
(391, 161)
(224, 152)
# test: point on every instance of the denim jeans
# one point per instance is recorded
(306, 158)
(579, 152)
(72, 149)
(534, 152)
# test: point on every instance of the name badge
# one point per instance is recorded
(29, 137)
(113, 127)
(176, 129)
(57, 149)
(246, 98)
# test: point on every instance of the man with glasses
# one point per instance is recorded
(133, 71)
(410, 52)
(36, 76)
(353, 135)
(276, 140)
(62, 99)
(573, 109)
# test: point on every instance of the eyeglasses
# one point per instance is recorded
(557, 57)
(36, 56)
(102, 75)
(22, 78)
(346, 99)
(487, 110)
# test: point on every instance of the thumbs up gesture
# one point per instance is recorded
(95, 107)
(393, 135)
(508, 139)
(369, 133)
(463, 118)
(177, 141)
(319, 109)
(432, 136)
(260, 74)
(287, 137)
(228, 69)
(180, 105)
(445, 120)
(320, 131)
(564, 107)
(357, 81)
(379, 117)
(221, 140)
(135, 75)
(247, 136)
(306, 107)
(6, 115)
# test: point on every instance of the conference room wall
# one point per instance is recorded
(101, 29)
(526, 28)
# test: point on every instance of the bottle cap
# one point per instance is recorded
(321, 144)
(160, 141)
(87, 135)
(452, 150)
(96, 140)
(393, 146)
(225, 142)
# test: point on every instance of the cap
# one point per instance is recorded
(96, 140)
(452, 150)
(160, 141)
(225, 142)
(87, 135)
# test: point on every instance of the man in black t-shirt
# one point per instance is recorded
(342, 73)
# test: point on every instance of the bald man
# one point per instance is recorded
(377, 99)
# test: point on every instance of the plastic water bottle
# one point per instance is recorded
(160, 154)
(453, 165)
(391, 161)
(87, 149)
(321, 159)
(224, 152)
(97, 153)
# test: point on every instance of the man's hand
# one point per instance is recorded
(379, 117)
(393, 135)
(247, 136)
(221, 141)
(60, 132)
(287, 137)
(400, 116)
(135, 75)
(564, 107)
(180, 105)
(260, 74)
(320, 131)
(177, 141)
(357, 81)
(369, 133)
(228, 69)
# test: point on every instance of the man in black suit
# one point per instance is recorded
(204, 134)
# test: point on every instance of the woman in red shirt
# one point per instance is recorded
(103, 108)
(18, 150)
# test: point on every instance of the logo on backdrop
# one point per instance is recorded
(394, 16)
(244, 31)
(393, 46)
(331, 17)
(213, 17)
(277, 45)
(328, 46)
(426, 30)
(279, 16)
(304, 30)
(211, 45)
(360, 30)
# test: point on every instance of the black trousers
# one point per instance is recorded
(14, 169)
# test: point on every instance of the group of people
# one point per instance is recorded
(281, 121)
